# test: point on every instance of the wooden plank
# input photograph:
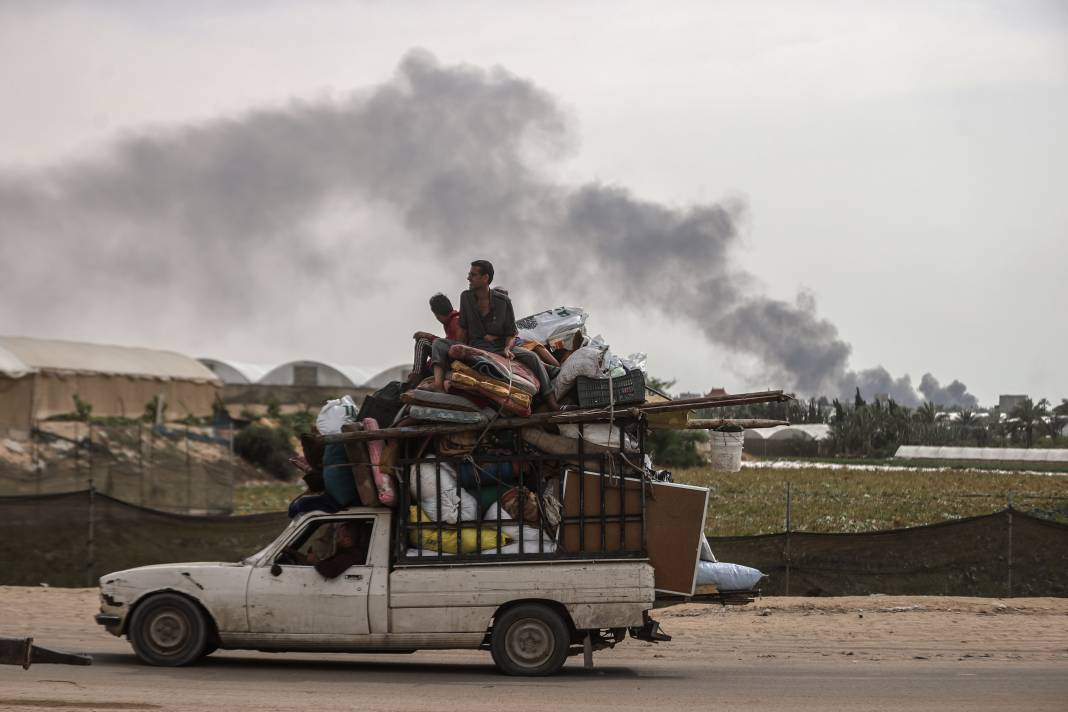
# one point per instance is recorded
(712, 423)
(674, 514)
(592, 415)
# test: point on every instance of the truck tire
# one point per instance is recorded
(169, 630)
(530, 639)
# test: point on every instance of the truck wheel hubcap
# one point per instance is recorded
(530, 642)
(167, 630)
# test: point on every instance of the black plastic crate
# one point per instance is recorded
(626, 389)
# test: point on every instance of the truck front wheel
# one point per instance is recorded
(530, 639)
(168, 629)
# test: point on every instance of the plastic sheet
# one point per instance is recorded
(553, 325)
(336, 413)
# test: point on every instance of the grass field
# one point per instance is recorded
(257, 497)
(753, 501)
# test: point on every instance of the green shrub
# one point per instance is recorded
(269, 448)
(675, 448)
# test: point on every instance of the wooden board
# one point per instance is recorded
(674, 524)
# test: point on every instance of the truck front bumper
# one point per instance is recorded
(107, 620)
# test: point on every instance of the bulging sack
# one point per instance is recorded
(336, 413)
(727, 577)
(583, 362)
(454, 505)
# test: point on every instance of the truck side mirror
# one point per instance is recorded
(276, 569)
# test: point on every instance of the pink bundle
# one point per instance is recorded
(386, 495)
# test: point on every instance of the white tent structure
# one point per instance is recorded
(317, 373)
(393, 373)
(236, 372)
(40, 377)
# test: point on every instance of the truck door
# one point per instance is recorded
(287, 595)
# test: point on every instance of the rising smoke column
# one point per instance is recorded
(204, 218)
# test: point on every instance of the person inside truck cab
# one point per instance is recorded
(351, 543)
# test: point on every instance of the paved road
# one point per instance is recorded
(438, 682)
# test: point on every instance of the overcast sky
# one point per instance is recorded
(901, 166)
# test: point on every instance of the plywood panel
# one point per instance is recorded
(674, 523)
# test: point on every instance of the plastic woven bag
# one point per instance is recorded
(335, 413)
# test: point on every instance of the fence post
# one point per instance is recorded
(141, 460)
(789, 507)
(1009, 556)
(230, 469)
(91, 545)
(188, 475)
(77, 456)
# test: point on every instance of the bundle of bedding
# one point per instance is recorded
(503, 394)
(496, 366)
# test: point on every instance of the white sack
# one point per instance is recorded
(336, 412)
(600, 434)
(727, 577)
(583, 362)
(453, 505)
(531, 532)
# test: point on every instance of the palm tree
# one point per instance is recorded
(927, 413)
(967, 418)
(1027, 413)
(1058, 416)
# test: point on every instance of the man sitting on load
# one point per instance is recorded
(487, 322)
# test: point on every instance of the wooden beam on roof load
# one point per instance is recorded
(585, 415)
(746, 423)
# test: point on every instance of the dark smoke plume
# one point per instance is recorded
(955, 394)
(204, 222)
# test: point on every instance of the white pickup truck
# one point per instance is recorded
(529, 614)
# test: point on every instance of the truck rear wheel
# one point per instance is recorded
(168, 629)
(530, 639)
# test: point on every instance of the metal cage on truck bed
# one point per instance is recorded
(585, 503)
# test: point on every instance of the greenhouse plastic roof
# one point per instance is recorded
(1002, 454)
(802, 431)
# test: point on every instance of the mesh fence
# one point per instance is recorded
(1007, 553)
(176, 469)
(72, 539)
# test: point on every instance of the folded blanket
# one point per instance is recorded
(465, 379)
(496, 366)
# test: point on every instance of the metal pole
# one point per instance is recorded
(91, 544)
(77, 456)
(789, 523)
(1009, 556)
(231, 467)
(188, 475)
(141, 459)
(35, 453)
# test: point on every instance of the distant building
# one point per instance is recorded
(1007, 403)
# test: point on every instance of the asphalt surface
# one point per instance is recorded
(467, 681)
(860, 653)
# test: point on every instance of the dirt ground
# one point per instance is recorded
(805, 653)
